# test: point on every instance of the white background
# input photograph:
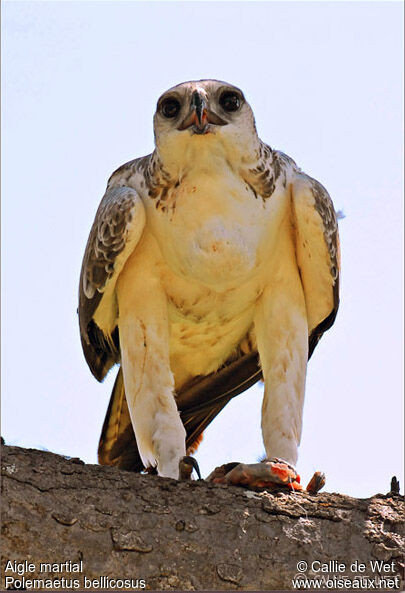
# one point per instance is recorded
(80, 83)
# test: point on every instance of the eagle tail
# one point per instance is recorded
(199, 402)
(117, 444)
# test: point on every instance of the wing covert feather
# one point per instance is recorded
(317, 251)
(117, 228)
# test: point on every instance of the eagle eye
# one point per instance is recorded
(230, 101)
(170, 107)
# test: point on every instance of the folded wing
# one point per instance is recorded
(117, 228)
(317, 252)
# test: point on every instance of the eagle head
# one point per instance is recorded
(204, 118)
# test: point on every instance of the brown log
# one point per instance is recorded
(184, 535)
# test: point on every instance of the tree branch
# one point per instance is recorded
(184, 535)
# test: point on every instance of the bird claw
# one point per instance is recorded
(272, 474)
(186, 466)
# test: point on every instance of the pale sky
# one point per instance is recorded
(80, 83)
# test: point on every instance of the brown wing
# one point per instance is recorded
(317, 251)
(116, 230)
(199, 402)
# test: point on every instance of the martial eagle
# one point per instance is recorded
(211, 263)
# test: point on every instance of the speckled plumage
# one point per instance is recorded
(213, 253)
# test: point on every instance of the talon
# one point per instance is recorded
(186, 466)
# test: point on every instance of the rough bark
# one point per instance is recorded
(184, 535)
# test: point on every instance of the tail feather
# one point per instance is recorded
(117, 444)
(199, 402)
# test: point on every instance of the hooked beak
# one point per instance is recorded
(200, 116)
(199, 105)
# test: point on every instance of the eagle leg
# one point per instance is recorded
(282, 339)
(148, 380)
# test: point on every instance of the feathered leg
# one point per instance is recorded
(149, 384)
(282, 339)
